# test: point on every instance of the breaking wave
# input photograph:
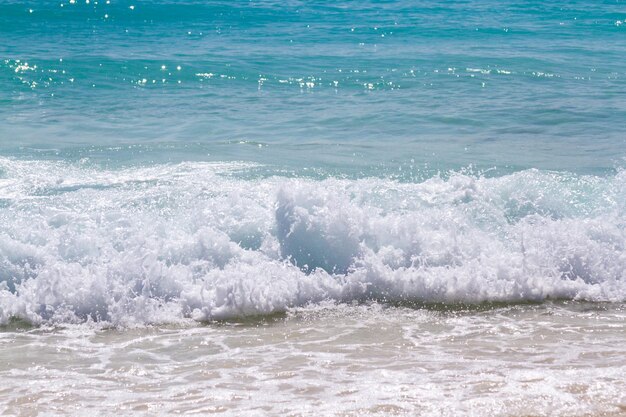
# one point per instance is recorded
(167, 243)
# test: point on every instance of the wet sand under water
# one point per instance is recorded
(554, 358)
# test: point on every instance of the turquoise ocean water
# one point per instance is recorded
(174, 159)
(346, 208)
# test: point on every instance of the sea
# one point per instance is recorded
(313, 208)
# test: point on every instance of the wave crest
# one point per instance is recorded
(168, 243)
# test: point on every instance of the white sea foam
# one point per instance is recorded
(196, 240)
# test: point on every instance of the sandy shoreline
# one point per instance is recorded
(558, 359)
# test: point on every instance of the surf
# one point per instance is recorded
(204, 241)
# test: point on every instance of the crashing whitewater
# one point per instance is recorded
(200, 241)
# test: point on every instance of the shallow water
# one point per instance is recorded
(557, 359)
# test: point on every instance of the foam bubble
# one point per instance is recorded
(197, 241)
